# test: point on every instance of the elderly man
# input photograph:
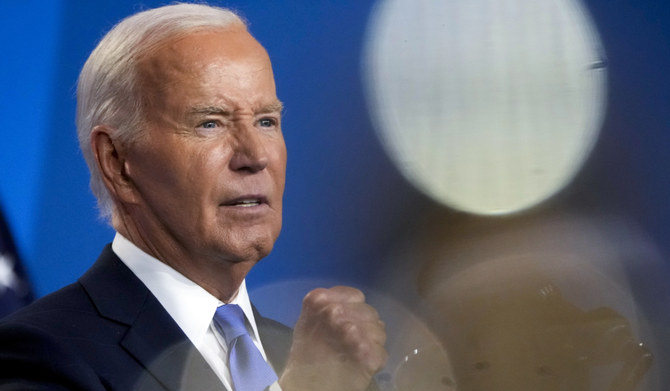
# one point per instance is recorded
(180, 125)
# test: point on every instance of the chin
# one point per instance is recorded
(250, 245)
(250, 252)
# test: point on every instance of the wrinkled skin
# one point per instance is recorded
(338, 343)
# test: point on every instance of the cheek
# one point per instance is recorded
(207, 165)
(149, 170)
(167, 171)
(280, 162)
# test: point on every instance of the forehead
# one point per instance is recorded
(208, 60)
(231, 43)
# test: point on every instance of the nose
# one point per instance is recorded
(249, 152)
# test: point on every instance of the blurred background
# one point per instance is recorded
(491, 173)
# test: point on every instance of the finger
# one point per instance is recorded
(354, 333)
(340, 313)
(347, 294)
(342, 294)
(359, 314)
(364, 343)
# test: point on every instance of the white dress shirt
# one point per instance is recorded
(191, 307)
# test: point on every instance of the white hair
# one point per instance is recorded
(108, 91)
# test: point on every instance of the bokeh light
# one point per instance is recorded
(490, 106)
(538, 301)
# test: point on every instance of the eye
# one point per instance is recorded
(208, 125)
(267, 122)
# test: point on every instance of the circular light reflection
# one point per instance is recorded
(487, 106)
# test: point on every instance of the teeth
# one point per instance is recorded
(247, 203)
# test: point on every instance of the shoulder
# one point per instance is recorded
(66, 316)
(51, 310)
(35, 348)
(63, 340)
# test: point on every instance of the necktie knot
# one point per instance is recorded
(231, 320)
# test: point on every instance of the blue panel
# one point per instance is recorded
(27, 74)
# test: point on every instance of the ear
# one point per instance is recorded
(110, 159)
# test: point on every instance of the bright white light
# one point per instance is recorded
(489, 106)
(8, 278)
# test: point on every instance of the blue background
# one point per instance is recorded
(345, 203)
(343, 196)
(337, 172)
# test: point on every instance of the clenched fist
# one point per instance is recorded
(338, 343)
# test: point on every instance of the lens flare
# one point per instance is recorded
(489, 107)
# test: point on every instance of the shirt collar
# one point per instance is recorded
(191, 306)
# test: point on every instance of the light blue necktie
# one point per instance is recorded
(250, 372)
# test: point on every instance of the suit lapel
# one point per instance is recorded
(160, 345)
(153, 338)
(276, 339)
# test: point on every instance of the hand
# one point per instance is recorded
(338, 343)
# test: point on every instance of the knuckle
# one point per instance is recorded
(350, 332)
(315, 298)
(350, 293)
(375, 356)
(371, 355)
(373, 314)
(357, 294)
(362, 351)
(334, 313)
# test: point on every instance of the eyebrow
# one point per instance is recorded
(274, 107)
(209, 110)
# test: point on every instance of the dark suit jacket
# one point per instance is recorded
(108, 332)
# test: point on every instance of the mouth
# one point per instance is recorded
(246, 201)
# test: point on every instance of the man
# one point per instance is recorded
(180, 125)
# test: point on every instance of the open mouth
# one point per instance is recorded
(246, 202)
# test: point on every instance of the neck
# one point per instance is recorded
(220, 278)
